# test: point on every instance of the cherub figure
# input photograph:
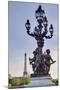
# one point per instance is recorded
(32, 60)
(48, 61)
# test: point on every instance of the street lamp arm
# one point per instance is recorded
(31, 34)
(48, 37)
(44, 33)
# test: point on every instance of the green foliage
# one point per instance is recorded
(24, 80)
(55, 81)
(20, 81)
(9, 81)
(13, 83)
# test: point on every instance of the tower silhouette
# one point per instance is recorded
(25, 64)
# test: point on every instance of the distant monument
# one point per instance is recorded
(25, 66)
(41, 61)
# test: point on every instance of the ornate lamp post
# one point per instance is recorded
(40, 33)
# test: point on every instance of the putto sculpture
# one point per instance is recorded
(41, 61)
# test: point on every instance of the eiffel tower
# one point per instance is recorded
(25, 65)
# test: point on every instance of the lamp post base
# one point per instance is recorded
(40, 81)
(39, 75)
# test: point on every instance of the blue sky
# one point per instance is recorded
(19, 41)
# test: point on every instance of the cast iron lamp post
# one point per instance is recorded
(40, 32)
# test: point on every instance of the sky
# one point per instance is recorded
(18, 40)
